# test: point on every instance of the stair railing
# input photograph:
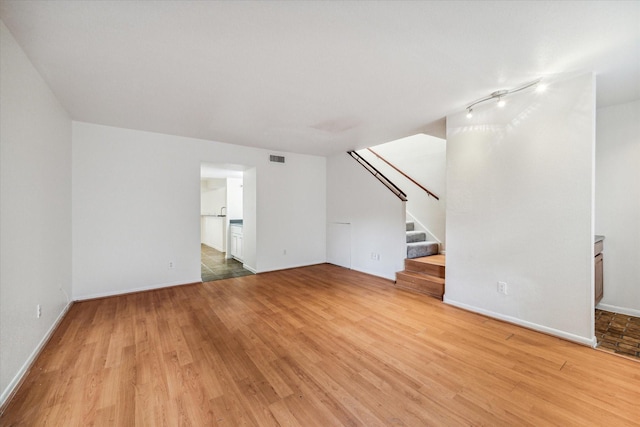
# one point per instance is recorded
(404, 174)
(375, 172)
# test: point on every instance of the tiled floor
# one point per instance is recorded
(214, 266)
(618, 333)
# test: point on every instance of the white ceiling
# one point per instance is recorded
(310, 76)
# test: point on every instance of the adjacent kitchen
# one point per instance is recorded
(221, 222)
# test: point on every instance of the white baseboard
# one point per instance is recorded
(373, 273)
(621, 310)
(591, 342)
(26, 366)
(288, 267)
(133, 290)
(251, 269)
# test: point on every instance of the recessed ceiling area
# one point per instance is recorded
(314, 77)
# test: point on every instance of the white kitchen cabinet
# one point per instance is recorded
(235, 242)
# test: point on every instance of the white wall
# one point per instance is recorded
(618, 204)
(35, 211)
(136, 206)
(423, 158)
(234, 198)
(250, 218)
(213, 195)
(291, 202)
(376, 217)
(520, 185)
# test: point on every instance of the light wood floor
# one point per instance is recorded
(315, 346)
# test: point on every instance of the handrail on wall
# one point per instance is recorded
(404, 174)
(375, 172)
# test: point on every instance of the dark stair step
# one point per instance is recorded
(410, 226)
(420, 282)
(415, 265)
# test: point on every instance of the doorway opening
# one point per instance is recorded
(221, 221)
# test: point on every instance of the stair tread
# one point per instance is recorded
(420, 276)
(432, 293)
(416, 236)
(439, 260)
(429, 285)
(430, 270)
(422, 249)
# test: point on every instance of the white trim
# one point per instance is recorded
(133, 290)
(514, 320)
(26, 366)
(372, 273)
(433, 236)
(288, 267)
(251, 269)
(621, 310)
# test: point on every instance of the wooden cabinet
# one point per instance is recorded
(599, 267)
(597, 247)
(599, 277)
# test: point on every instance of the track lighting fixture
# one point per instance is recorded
(501, 94)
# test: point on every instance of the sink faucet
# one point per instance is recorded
(225, 210)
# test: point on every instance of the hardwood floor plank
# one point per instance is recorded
(313, 346)
(309, 402)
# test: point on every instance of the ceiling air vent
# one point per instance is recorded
(276, 159)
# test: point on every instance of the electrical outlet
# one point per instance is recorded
(502, 288)
(38, 311)
(171, 265)
(375, 256)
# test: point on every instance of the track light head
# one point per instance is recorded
(501, 94)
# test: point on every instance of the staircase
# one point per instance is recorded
(417, 243)
(424, 275)
(424, 269)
